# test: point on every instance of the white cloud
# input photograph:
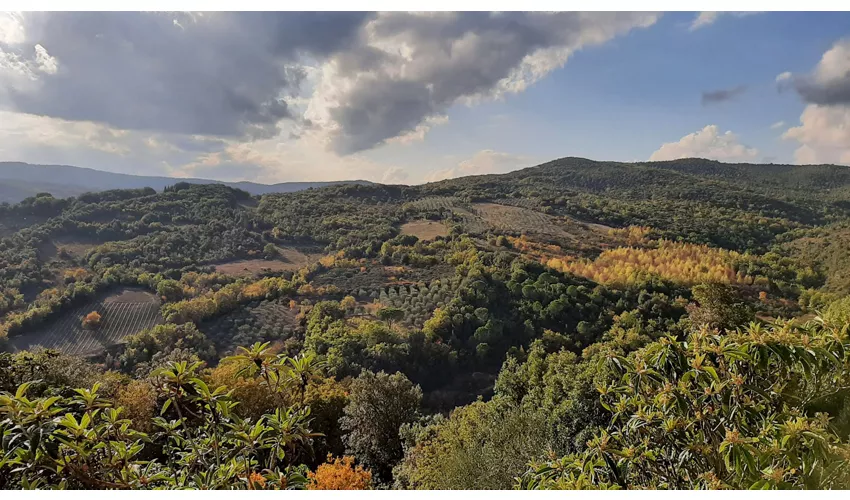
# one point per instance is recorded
(394, 175)
(707, 18)
(11, 28)
(19, 130)
(272, 160)
(704, 19)
(823, 135)
(483, 162)
(707, 143)
(418, 134)
(45, 62)
(777, 125)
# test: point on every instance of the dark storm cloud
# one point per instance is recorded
(836, 91)
(227, 74)
(450, 56)
(829, 83)
(722, 95)
(209, 74)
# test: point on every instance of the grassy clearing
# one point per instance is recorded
(290, 260)
(424, 229)
(74, 248)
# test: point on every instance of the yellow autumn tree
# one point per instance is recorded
(684, 263)
(138, 398)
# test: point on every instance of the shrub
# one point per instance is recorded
(340, 474)
(92, 321)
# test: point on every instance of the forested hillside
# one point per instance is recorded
(577, 324)
(23, 180)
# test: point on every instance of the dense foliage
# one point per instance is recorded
(576, 325)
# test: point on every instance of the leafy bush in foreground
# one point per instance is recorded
(718, 411)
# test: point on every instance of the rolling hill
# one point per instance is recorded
(22, 180)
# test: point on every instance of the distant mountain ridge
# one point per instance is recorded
(20, 180)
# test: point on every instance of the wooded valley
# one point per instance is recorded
(575, 325)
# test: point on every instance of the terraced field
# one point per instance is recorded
(122, 313)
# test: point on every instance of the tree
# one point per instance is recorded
(92, 321)
(480, 446)
(170, 290)
(85, 441)
(718, 411)
(348, 302)
(143, 350)
(270, 251)
(390, 314)
(718, 307)
(339, 474)
(379, 404)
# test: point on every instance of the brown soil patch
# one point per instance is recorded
(424, 229)
(290, 260)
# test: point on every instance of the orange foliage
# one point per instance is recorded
(47, 296)
(683, 263)
(256, 481)
(540, 251)
(92, 321)
(225, 299)
(77, 274)
(253, 397)
(340, 474)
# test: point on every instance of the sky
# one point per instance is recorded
(399, 97)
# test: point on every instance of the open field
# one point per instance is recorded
(123, 313)
(77, 249)
(290, 260)
(424, 229)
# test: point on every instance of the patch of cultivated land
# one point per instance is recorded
(424, 229)
(513, 218)
(260, 321)
(290, 260)
(123, 313)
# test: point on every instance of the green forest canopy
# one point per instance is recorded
(581, 325)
